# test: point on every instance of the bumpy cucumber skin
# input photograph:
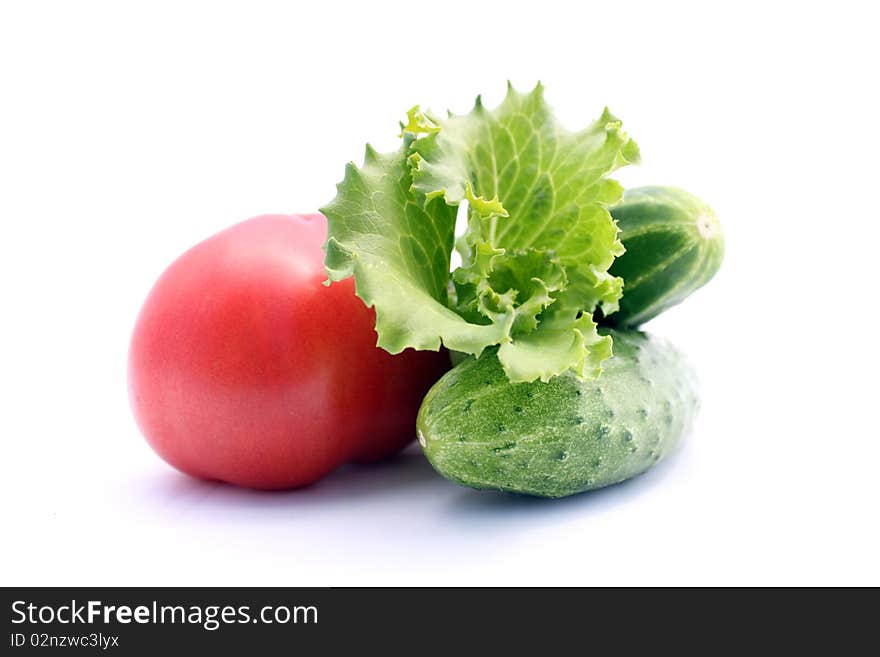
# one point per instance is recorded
(563, 437)
(674, 246)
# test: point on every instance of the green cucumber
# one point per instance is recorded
(673, 245)
(562, 437)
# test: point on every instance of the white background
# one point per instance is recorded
(130, 131)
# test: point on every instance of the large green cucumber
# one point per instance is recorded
(673, 246)
(562, 437)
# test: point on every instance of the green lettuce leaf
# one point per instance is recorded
(536, 251)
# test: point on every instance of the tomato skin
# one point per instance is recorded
(245, 368)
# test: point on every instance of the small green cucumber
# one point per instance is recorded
(562, 437)
(673, 245)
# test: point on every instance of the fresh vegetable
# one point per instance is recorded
(247, 365)
(562, 437)
(244, 367)
(673, 247)
(536, 252)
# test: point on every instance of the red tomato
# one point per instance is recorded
(245, 368)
